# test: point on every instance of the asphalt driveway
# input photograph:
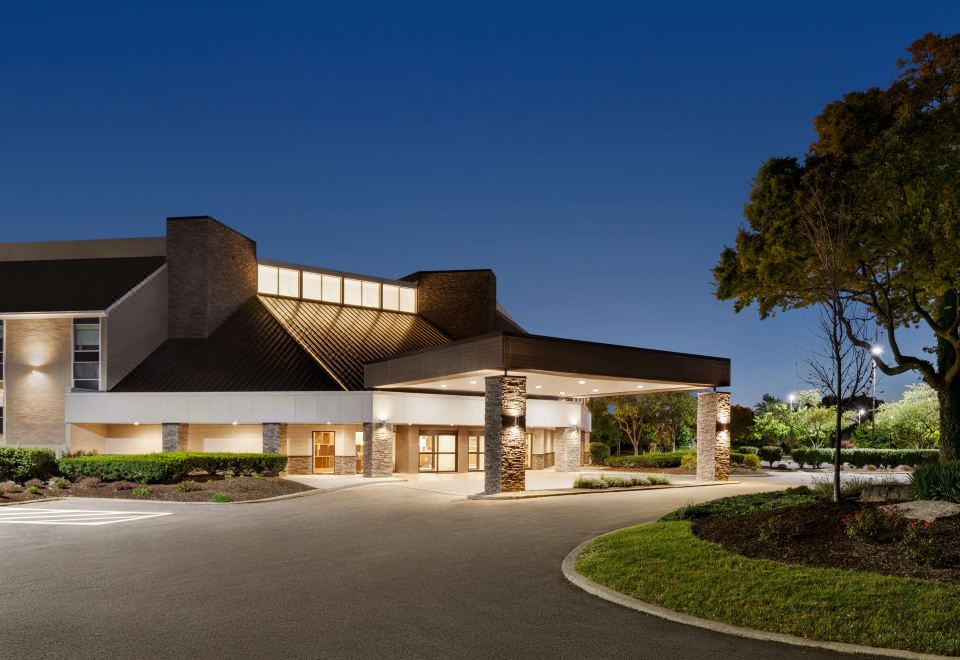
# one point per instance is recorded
(385, 570)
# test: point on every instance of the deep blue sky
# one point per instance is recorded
(596, 156)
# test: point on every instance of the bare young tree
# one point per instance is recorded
(841, 367)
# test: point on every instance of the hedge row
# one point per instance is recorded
(22, 464)
(653, 459)
(167, 466)
(863, 457)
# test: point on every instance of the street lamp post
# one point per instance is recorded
(859, 416)
(791, 398)
(875, 351)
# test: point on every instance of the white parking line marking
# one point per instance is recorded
(46, 516)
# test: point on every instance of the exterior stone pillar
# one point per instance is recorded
(174, 437)
(713, 436)
(505, 430)
(274, 438)
(566, 445)
(377, 450)
(347, 464)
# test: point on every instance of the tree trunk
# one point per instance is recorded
(949, 398)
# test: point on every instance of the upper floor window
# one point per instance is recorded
(324, 287)
(86, 354)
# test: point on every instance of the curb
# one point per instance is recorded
(275, 498)
(533, 494)
(569, 568)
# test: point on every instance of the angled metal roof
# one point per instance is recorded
(343, 339)
(249, 352)
(70, 285)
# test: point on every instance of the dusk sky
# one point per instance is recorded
(596, 156)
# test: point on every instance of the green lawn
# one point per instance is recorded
(665, 564)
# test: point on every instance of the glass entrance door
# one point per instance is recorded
(438, 452)
(323, 451)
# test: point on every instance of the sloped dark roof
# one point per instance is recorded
(343, 339)
(62, 285)
(249, 352)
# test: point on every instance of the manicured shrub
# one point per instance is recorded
(747, 449)
(21, 464)
(187, 486)
(33, 490)
(221, 498)
(652, 459)
(61, 483)
(589, 482)
(865, 457)
(614, 481)
(770, 454)
(920, 543)
(689, 462)
(142, 492)
(598, 452)
(751, 461)
(736, 458)
(874, 525)
(167, 466)
(936, 481)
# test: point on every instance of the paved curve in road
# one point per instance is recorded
(376, 571)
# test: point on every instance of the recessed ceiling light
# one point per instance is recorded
(562, 393)
(581, 382)
(136, 423)
(473, 382)
(443, 385)
(538, 387)
(595, 389)
(234, 422)
(639, 387)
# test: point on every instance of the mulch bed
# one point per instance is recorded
(239, 489)
(816, 535)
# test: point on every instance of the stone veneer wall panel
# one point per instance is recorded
(174, 437)
(377, 450)
(460, 303)
(274, 438)
(34, 408)
(713, 436)
(505, 442)
(344, 464)
(566, 445)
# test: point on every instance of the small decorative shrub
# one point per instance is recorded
(255, 475)
(747, 449)
(228, 475)
(874, 525)
(920, 544)
(187, 486)
(770, 454)
(61, 483)
(736, 458)
(142, 492)
(780, 528)
(738, 505)
(221, 498)
(90, 482)
(614, 481)
(23, 464)
(936, 481)
(689, 462)
(589, 482)
(599, 452)
(33, 490)
(751, 461)
(862, 457)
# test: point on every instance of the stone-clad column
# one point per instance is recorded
(174, 436)
(346, 464)
(274, 438)
(377, 450)
(505, 434)
(713, 436)
(566, 445)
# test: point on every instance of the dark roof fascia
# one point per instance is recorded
(513, 351)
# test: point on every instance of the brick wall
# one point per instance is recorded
(212, 271)
(39, 368)
(461, 303)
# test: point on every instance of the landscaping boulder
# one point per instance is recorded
(11, 487)
(928, 510)
(886, 493)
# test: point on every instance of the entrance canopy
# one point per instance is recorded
(555, 368)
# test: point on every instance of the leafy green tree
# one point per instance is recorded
(887, 162)
(646, 419)
(603, 425)
(741, 422)
(913, 421)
